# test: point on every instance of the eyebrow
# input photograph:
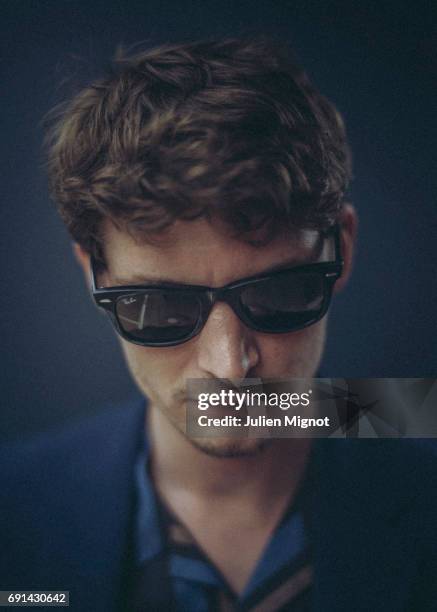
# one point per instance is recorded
(139, 279)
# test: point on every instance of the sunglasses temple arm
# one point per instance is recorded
(94, 287)
(337, 245)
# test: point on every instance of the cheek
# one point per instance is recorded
(295, 355)
(155, 368)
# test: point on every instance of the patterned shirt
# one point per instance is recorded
(282, 577)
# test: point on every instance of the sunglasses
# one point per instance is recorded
(168, 314)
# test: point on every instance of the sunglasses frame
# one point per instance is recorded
(107, 297)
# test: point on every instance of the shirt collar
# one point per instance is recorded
(148, 537)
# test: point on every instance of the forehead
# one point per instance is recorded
(196, 252)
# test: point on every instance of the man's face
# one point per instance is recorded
(197, 253)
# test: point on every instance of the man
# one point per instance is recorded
(203, 186)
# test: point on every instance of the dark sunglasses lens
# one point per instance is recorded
(286, 302)
(158, 316)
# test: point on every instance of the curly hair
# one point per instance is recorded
(230, 129)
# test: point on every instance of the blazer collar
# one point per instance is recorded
(93, 550)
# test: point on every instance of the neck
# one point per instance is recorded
(269, 474)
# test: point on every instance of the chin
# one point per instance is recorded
(230, 447)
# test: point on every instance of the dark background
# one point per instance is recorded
(375, 60)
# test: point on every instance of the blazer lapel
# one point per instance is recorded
(90, 533)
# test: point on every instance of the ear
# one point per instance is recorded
(83, 259)
(348, 232)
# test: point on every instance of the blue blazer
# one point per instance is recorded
(67, 502)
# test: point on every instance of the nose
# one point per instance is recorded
(226, 347)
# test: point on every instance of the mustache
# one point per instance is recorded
(215, 385)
